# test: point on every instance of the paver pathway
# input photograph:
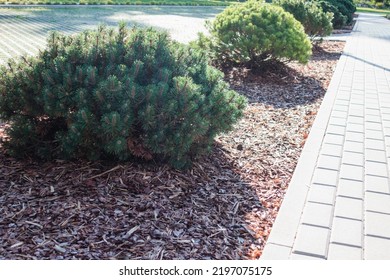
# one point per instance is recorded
(24, 30)
(338, 203)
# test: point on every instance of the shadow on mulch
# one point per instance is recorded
(320, 53)
(64, 210)
(222, 208)
(288, 85)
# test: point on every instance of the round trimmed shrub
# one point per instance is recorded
(316, 22)
(345, 7)
(339, 20)
(118, 95)
(253, 32)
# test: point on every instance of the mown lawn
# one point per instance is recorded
(371, 10)
(127, 2)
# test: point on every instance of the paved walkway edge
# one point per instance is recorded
(283, 233)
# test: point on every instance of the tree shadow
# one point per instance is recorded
(320, 53)
(282, 88)
(84, 210)
(386, 69)
(287, 85)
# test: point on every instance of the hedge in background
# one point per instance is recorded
(253, 33)
(343, 11)
(316, 22)
(118, 95)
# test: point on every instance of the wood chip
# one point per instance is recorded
(59, 249)
(221, 208)
(16, 245)
(131, 231)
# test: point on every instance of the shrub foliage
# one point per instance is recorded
(316, 22)
(254, 32)
(116, 94)
(342, 10)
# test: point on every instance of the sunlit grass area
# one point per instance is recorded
(372, 10)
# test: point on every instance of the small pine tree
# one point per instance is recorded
(315, 21)
(116, 94)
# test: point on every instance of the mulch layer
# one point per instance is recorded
(221, 208)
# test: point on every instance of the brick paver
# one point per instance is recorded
(343, 210)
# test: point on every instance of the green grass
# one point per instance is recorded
(371, 10)
(125, 2)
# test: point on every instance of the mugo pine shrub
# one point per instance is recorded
(116, 94)
(339, 20)
(253, 33)
(316, 22)
(345, 7)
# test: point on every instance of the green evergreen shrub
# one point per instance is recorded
(316, 22)
(345, 7)
(253, 32)
(116, 94)
(339, 20)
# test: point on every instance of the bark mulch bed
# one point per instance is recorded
(222, 208)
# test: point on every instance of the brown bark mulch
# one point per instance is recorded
(222, 208)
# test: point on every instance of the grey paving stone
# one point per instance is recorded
(322, 194)
(338, 121)
(334, 129)
(348, 207)
(312, 240)
(375, 155)
(325, 177)
(372, 112)
(354, 136)
(357, 101)
(342, 102)
(357, 85)
(385, 117)
(276, 252)
(386, 131)
(305, 257)
(347, 231)
(350, 188)
(329, 162)
(357, 147)
(372, 104)
(376, 248)
(376, 169)
(374, 144)
(376, 119)
(377, 202)
(377, 224)
(340, 107)
(330, 149)
(356, 112)
(334, 139)
(353, 158)
(353, 127)
(344, 252)
(317, 214)
(339, 114)
(346, 95)
(351, 172)
(356, 107)
(377, 184)
(373, 126)
(386, 123)
(374, 135)
(356, 120)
